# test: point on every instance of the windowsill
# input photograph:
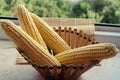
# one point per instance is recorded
(104, 33)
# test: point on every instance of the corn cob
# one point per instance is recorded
(87, 54)
(52, 39)
(28, 25)
(28, 45)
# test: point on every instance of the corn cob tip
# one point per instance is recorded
(112, 47)
(5, 22)
(2, 26)
(115, 49)
(21, 5)
(19, 8)
(2, 22)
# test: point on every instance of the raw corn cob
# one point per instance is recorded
(28, 45)
(28, 25)
(87, 54)
(52, 39)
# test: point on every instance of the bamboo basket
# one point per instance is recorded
(75, 39)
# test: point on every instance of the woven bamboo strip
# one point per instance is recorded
(74, 38)
(65, 34)
(81, 34)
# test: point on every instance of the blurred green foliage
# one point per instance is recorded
(105, 11)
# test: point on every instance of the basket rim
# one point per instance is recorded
(80, 66)
(66, 66)
(90, 37)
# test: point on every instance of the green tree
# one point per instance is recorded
(80, 10)
(97, 6)
(2, 5)
(106, 11)
(43, 9)
(109, 14)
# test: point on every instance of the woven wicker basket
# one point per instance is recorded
(75, 39)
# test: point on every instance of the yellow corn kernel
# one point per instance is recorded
(28, 25)
(87, 54)
(52, 39)
(28, 45)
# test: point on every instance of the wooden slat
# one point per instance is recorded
(59, 31)
(20, 60)
(77, 41)
(65, 34)
(85, 41)
(91, 39)
(81, 35)
(69, 32)
(74, 37)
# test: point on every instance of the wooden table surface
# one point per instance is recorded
(109, 69)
